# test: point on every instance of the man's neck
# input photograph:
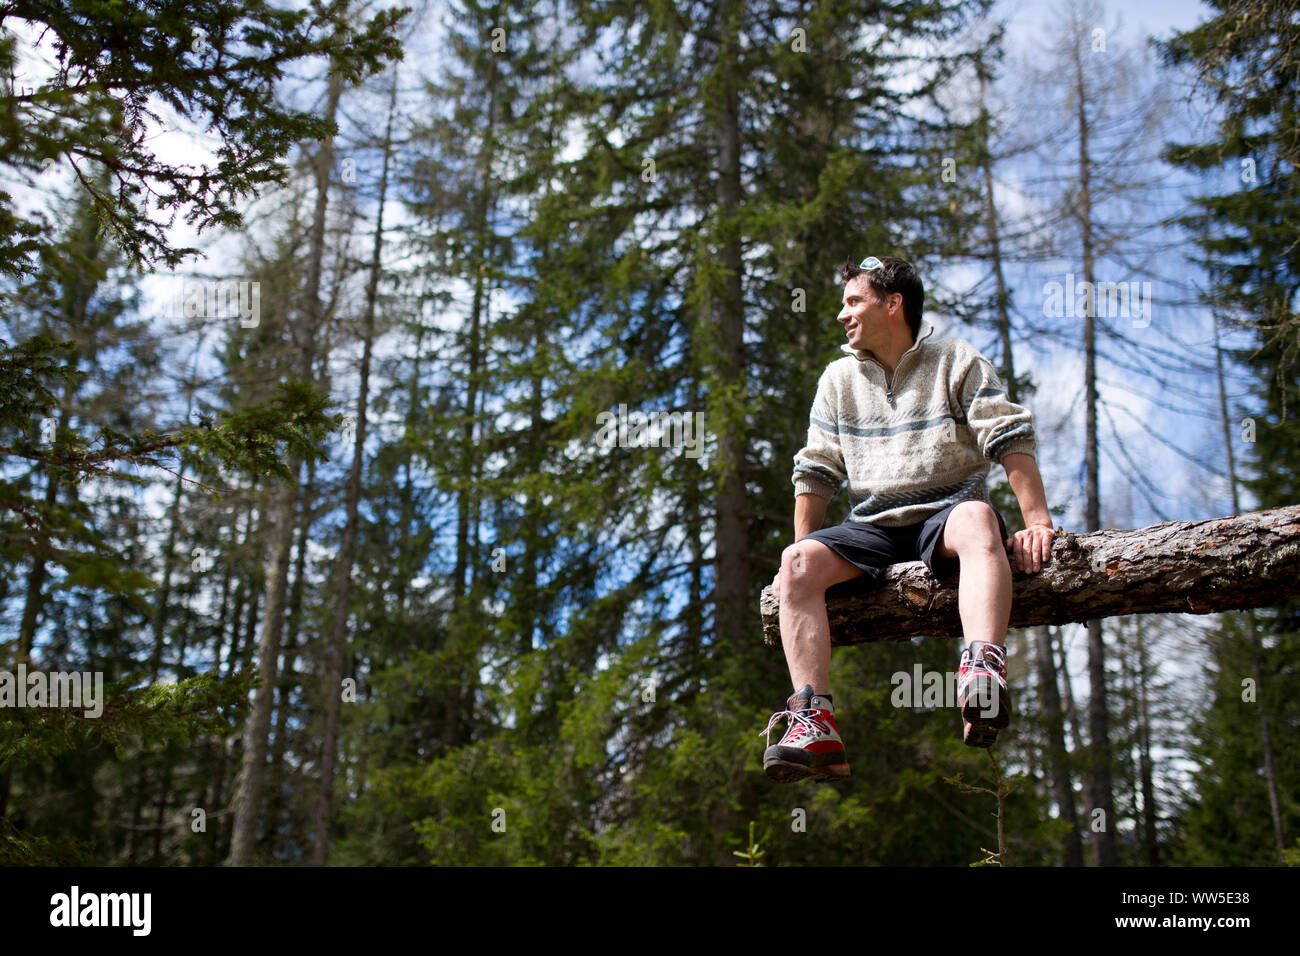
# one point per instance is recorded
(891, 352)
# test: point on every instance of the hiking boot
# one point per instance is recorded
(811, 746)
(982, 693)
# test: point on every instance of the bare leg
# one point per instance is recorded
(808, 568)
(973, 536)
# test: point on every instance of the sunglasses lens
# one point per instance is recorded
(871, 262)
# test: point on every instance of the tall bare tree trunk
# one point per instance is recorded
(731, 542)
(1103, 844)
(248, 798)
(726, 329)
(460, 697)
(287, 681)
(1002, 299)
(338, 641)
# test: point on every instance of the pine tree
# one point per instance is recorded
(212, 61)
(116, 69)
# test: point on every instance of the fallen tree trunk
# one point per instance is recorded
(1190, 567)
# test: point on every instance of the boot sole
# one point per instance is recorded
(981, 730)
(787, 765)
(982, 734)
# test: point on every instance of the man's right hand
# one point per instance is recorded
(776, 587)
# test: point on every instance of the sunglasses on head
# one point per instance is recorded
(870, 262)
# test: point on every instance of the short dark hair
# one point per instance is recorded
(892, 275)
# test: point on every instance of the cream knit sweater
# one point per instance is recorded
(911, 447)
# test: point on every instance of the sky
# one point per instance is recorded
(1025, 18)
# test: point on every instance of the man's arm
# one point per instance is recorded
(818, 466)
(1027, 483)
(1033, 546)
(809, 513)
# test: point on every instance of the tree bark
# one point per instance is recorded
(339, 645)
(252, 777)
(731, 582)
(1187, 567)
(288, 680)
(1098, 711)
(459, 704)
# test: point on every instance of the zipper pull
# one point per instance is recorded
(889, 396)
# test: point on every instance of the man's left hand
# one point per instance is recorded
(1032, 548)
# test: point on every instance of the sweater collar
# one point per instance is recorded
(863, 355)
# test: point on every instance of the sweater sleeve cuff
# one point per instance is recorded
(803, 485)
(1025, 446)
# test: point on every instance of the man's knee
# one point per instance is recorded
(972, 525)
(807, 568)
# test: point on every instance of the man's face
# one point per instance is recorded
(865, 318)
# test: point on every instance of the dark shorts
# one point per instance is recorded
(874, 548)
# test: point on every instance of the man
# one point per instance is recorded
(914, 427)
